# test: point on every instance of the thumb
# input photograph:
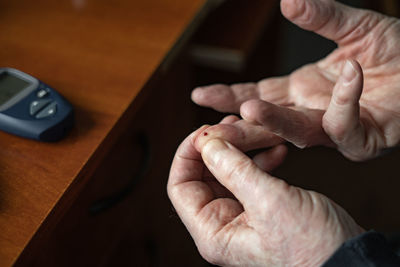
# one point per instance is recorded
(329, 19)
(341, 121)
(240, 175)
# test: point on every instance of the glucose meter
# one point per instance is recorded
(31, 109)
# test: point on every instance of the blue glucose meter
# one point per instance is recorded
(31, 109)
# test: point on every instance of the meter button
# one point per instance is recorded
(38, 105)
(48, 111)
(42, 93)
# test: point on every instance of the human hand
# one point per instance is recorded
(330, 102)
(246, 217)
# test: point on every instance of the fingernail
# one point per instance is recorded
(213, 151)
(348, 72)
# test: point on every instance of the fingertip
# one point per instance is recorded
(197, 95)
(292, 8)
(232, 133)
(259, 112)
(355, 66)
(198, 137)
(217, 96)
(251, 109)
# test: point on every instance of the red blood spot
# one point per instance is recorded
(205, 134)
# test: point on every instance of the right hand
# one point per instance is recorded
(240, 215)
(326, 103)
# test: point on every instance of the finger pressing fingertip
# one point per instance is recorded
(230, 132)
(213, 151)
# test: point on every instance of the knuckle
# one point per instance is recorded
(243, 169)
(278, 195)
(342, 98)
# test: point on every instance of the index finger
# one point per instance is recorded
(192, 197)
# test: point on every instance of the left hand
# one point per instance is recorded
(332, 102)
(239, 215)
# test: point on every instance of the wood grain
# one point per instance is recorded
(100, 55)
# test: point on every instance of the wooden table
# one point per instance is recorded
(104, 57)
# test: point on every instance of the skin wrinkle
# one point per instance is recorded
(316, 204)
(230, 244)
(373, 38)
(381, 53)
(187, 214)
(310, 132)
(328, 75)
(365, 24)
(327, 18)
(366, 32)
(375, 73)
(297, 83)
(231, 228)
(277, 219)
(390, 140)
(235, 172)
(222, 219)
(265, 86)
(181, 182)
(374, 125)
(359, 150)
(377, 35)
(372, 145)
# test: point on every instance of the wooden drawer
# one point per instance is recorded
(134, 224)
(109, 206)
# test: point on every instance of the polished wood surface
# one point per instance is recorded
(100, 55)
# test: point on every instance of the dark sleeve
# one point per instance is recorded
(368, 249)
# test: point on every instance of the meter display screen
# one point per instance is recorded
(10, 86)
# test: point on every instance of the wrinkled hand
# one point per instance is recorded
(331, 102)
(239, 215)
